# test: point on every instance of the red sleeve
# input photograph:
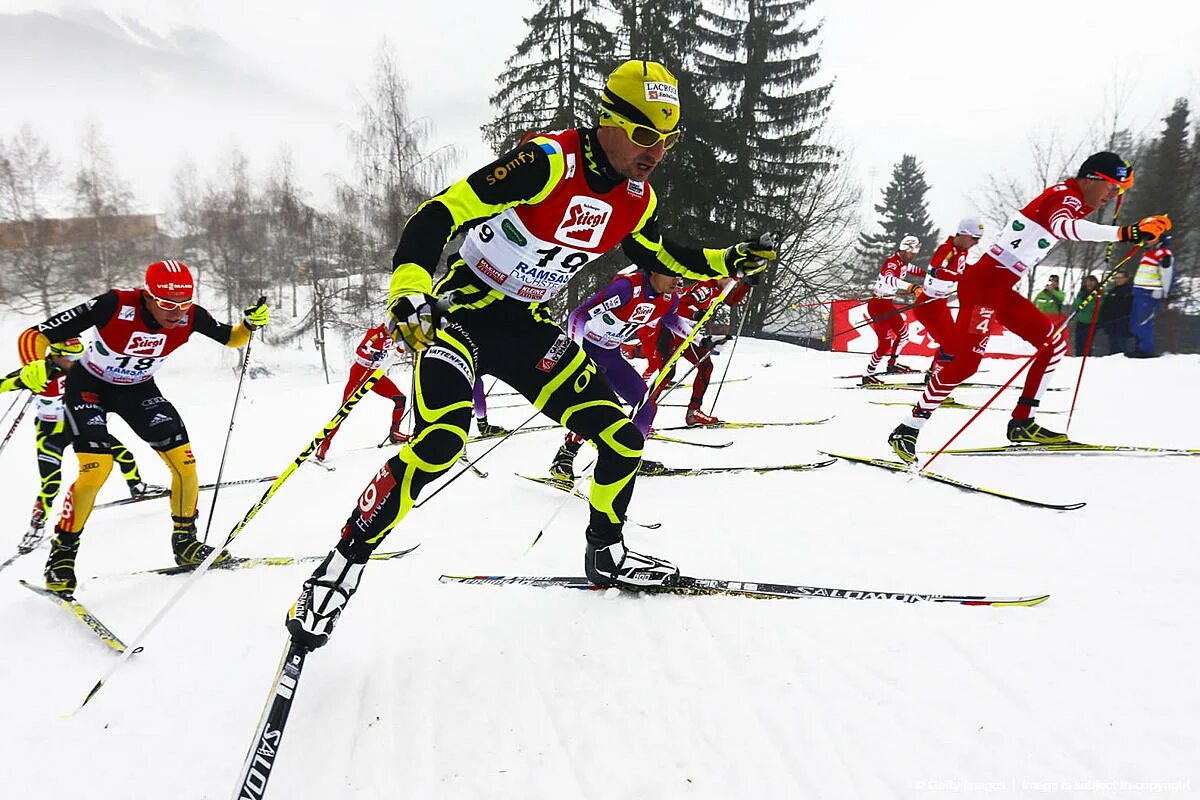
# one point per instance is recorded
(738, 294)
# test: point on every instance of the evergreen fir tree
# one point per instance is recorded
(902, 213)
(554, 78)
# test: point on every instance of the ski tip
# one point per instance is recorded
(1019, 601)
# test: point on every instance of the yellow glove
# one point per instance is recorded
(410, 313)
(750, 258)
(257, 315)
(33, 376)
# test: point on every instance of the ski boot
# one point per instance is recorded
(139, 490)
(903, 441)
(37, 517)
(614, 565)
(870, 379)
(190, 551)
(895, 368)
(311, 618)
(649, 467)
(695, 418)
(488, 429)
(562, 469)
(1026, 431)
(60, 565)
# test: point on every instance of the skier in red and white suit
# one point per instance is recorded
(694, 301)
(371, 353)
(986, 291)
(891, 329)
(945, 268)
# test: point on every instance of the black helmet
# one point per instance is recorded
(1109, 167)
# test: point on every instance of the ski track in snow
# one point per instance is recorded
(454, 691)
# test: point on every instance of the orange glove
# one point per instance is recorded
(1147, 230)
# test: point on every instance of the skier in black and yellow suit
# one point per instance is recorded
(537, 214)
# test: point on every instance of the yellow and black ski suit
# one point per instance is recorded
(491, 329)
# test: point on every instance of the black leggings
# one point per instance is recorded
(90, 400)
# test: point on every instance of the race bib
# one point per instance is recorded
(508, 258)
(1021, 244)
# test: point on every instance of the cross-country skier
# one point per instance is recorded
(136, 330)
(891, 329)
(549, 207)
(634, 299)
(372, 351)
(946, 266)
(986, 291)
(694, 301)
(52, 437)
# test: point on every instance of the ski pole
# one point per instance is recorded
(712, 410)
(229, 433)
(11, 406)
(476, 460)
(309, 449)
(1055, 334)
(17, 421)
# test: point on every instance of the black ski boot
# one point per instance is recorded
(140, 489)
(870, 380)
(1026, 431)
(895, 368)
(60, 566)
(190, 551)
(903, 441)
(562, 469)
(649, 467)
(488, 429)
(614, 565)
(311, 618)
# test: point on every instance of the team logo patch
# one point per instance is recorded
(453, 359)
(642, 313)
(485, 268)
(661, 92)
(159, 419)
(584, 222)
(89, 397)
(556, 351)
(126, 314)
(531, 292)
(636, 188)
(146, 344)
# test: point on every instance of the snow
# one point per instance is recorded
(434, 690)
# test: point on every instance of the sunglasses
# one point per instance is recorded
(641, 135)
(170, 305)
(1122, 185)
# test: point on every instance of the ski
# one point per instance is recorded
(671, 385)
(752, 589)
(954, 404)
(471, 466)
(485, 436)
(268, 736)
(80, 612)
(898, 466)
(266, 561)
(32, 539)
(660, 438)
(688, 472)
(731, 425)
(554, 483)
(1071, 447)
(920, 387)
(204, 487)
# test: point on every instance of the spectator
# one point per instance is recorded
(1151, 286)
(1085, 313)
(1114, 313)
(1050, 299)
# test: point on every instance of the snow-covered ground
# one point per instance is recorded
(430, 690)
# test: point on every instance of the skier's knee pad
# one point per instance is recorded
(94, 469)
(185, 485)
